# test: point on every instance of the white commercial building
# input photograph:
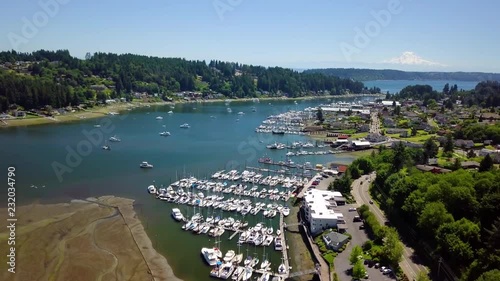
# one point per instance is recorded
(319, 208)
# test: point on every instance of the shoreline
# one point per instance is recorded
(100, 112)
(64, 241)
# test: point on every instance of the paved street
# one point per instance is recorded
(361, 195)
(375, 123)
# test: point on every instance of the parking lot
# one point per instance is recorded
(342, 265)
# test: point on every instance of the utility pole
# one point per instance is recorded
(439, 265)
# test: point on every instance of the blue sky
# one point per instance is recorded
(444, 35)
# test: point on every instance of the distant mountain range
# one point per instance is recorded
(390, 74)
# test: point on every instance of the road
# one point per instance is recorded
(375, 123)
(360, 191)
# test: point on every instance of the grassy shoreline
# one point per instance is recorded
(101, 111)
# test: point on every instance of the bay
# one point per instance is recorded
(394, 86)
(217, 140)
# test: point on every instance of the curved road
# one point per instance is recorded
(360, 191)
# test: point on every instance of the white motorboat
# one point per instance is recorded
(226, 270)
(152, 189)
(285, 211)
(278, 246)
(241, 113)
(114, 139)
(170, 112)
(146, 165)
(106, 147)
(237, 273)
(165, 134)
(265, 277)
(247, 275)
(265, 264)
(185, 126)
(210, 255)
(229, 256)
(177, 215)
(229, 110)
(159, 118)
(238, 258)
(278, 232)
(270, 230)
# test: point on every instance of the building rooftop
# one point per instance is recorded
(321, 204)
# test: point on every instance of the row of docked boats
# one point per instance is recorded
(228, 266)
(304, 153)
(257, 178)
(217, 202)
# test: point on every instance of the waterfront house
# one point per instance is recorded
(335, 241)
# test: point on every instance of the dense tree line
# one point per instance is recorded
(389, 74)
(478, 132)
(456, 214)
(56, 78)
(486, 94)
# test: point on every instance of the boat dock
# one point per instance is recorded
(285, 246)
(234, 234)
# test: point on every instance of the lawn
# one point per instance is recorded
(421, 136)
(359, 135)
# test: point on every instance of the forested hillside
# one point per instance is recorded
(455, 215)
(390, 74)
(33, 80)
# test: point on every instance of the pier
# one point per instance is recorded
(234, 234)
(285, 246)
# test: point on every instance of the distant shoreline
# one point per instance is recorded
(99, 112)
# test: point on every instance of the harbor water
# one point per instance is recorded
(60, 162)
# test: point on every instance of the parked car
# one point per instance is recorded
(382, 268)
(371, 202)
(356, 219)
(362, 226)
(377, 265)
(387, 271)
(352, 209)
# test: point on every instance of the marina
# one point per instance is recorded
(230, 214)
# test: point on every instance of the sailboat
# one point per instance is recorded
(265, 263)
(282, 268)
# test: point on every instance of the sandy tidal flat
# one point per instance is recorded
(82, 241)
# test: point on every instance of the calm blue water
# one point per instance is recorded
(394, 86)
(210, 144)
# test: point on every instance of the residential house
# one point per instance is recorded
(491, 117)
(389, 122)
(335, 241)
(470, 165)
(432, 162)
(467, 144)
(432, 169)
